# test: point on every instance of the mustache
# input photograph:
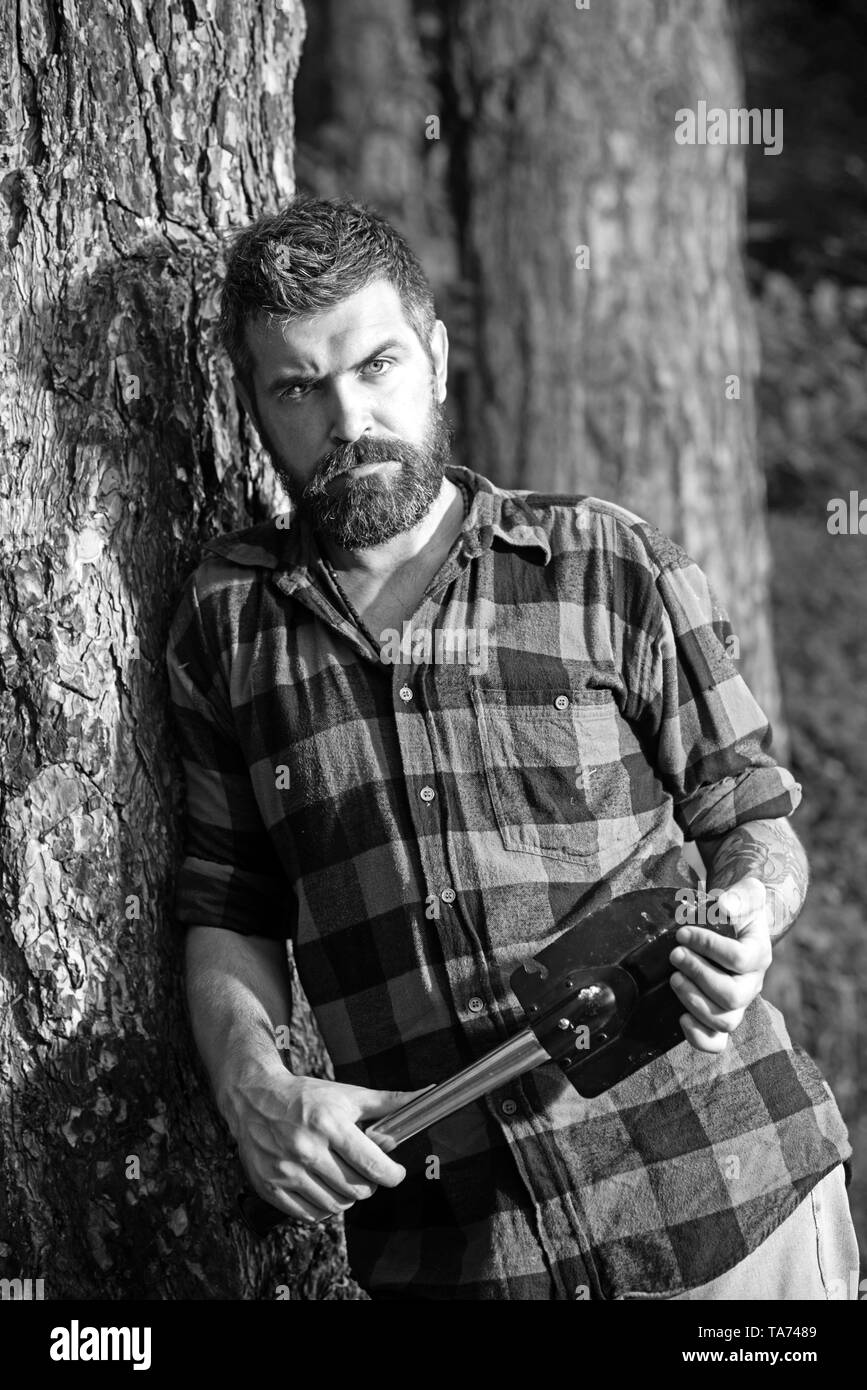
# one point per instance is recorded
(367, 449)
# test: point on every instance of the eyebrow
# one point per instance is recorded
(289, 378)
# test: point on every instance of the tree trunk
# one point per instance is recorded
(609, 369)
(370, 125)
(132, 138)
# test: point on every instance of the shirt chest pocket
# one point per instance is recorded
(554, 763)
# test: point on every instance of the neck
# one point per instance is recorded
(379, 562)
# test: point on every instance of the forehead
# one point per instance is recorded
(334, 337)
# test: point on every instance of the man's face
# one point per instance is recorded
(349, 406)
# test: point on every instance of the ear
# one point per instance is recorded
(439, 346)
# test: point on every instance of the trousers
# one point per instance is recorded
(813, 1255)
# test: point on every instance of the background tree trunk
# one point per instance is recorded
(362, 95)
(132, 137)
(611, 379)
(371, 124)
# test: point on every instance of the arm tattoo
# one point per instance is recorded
(768, 850)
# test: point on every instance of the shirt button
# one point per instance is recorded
(476, 1005)
(427, 793)
(561, 702)
(508, 1107)
(448, 895)
(405, 693)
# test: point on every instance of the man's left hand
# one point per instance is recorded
(715, 977)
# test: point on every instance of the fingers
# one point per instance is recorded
(702, 1010)
(717, 977)
(303, 1194)
(308, 1186)
(296, 1208)
(332, 1165)
(723, 990)
(302, 1202)
(730, 972)
(366, 1158)
(315, 1162)
(345, 1181)
(311, 1185)
(373, 1104)
(744, 906)
(751, 950)
(701, 1038)
(365, 1155)
(329, 1131)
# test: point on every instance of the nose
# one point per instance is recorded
(350, 412)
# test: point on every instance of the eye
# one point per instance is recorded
(297, 392)
(383, 364)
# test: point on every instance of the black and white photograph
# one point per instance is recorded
(433, 517)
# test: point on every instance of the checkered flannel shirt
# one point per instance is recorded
(417, 827)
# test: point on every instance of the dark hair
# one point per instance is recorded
(309, 256)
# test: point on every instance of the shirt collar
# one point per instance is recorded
(286, 543)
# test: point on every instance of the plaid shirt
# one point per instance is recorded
(417, 826)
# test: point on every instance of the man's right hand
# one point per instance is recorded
(300, 1143)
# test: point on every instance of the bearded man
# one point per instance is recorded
(417, 827)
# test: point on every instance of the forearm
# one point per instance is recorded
(238, 990)
(770, 851)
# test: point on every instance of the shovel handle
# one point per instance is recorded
(512, 1058)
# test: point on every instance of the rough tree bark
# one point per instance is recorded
(132, 135)
(607, 370)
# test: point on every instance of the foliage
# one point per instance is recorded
(813, 430)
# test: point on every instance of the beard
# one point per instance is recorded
(369, 510)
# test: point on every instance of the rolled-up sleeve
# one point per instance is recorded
(711, 737)
(230, 875)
